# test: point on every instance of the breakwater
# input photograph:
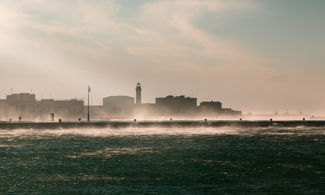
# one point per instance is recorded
(171, 124)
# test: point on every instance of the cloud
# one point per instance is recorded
(168, 27)
(91, 39)
(94, 31)
(79, 42)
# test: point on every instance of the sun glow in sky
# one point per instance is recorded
(253, 55)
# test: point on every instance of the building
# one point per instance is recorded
(117, 105)
(96, 112)
(138, 90)
(22, 104)
(213, 108)
(210, 107)
(26, 106)
(68, 109)
(230, 112)
(176, 104)
(21, 97)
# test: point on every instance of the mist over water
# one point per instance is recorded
(163, 160)
(150, 131)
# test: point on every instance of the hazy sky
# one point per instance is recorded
(253, 55)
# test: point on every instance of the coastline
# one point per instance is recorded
(165, 124)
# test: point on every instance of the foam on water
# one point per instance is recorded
(100, 132)
(163, 161)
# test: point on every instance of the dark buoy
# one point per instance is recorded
(60, 120)
(134, 120)
(205, 120)
(271, 120)
(240, 119)
(303, 119)
(19, 118)
(171, 119)
(10, 120)
(79, 119)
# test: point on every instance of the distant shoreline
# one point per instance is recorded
(165, 124)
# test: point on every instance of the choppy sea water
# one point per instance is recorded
(163, 161)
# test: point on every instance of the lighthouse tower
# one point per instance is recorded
(138, 90)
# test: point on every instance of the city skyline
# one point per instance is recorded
(257, 56)
(137, 96)
(25, 105)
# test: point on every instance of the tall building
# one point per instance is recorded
(138, 90)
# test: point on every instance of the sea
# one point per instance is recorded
(163, 161)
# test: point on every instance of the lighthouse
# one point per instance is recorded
(138, 90)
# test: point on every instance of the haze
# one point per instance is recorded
(253, 55)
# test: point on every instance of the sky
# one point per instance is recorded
(252, 55)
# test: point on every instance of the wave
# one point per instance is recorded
(105, 132)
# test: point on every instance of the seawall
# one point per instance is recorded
(167, 124)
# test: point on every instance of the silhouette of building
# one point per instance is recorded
(95, 111)
(26, 106)
(138, 90)
(21, 97)
(21, 104)
(176, 104)
(70, 109)
(211, 106)
(230, 112)
(118, 104)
